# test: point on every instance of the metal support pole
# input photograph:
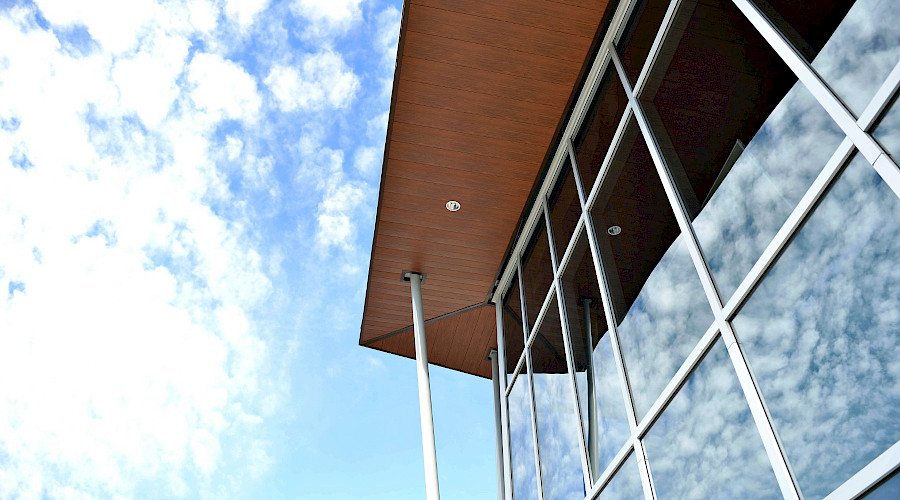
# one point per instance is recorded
(428, 447)
(498, 423)
(593, 426)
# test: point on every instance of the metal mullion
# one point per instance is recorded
(765, 427)
(678, 380)
(880, 100)
(661, 35)
(570, 249)
(579, 186)
(545, 306)
(781, 239)
(614, 466)
(504, 403)
(624, 383)
(570, 364)
(567, 343)
(870, 149)
(518, 371)
(876, 470)
(534, 430)
(610, 154)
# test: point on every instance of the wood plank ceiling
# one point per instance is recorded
(480, 89)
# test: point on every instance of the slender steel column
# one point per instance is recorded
(428, 448)
(593, 427)
(498, 422)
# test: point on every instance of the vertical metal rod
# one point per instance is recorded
(593, 444)
(428, 448)
(504, 409)
(498, 422)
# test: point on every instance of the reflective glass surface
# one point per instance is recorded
(861, 52)
(705, 444)
(537, 271)
(557, 419)
(513, 335)
(599, 127)
(888, 130)
(565, 209)
(821, 333)
(887, 490)
(626, 484)
(766, 181)
(658, 299)
(713, 86)
(639, 33)
(602, 405)
(521, 441)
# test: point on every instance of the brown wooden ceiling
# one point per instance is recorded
(480, 90)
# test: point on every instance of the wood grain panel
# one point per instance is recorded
(542, 14)
(484, 31)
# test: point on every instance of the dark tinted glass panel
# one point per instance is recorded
(713, 86)
(658, 299)
(705, 444)
(557, 419)
(853, 50)
(513, 333)
(565, 209)
(537, 271)
(760, 185)
(808, 25)
(887, 490)
(598, 128)
(602, 405)
(821, 333)
(521, 441)
(626, 484)
(639, 34)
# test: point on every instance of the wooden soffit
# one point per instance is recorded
(480, 90)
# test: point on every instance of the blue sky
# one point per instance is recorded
(187, 196)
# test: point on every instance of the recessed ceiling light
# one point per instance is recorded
(614, 230)
(453, 205)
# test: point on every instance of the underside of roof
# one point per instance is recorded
(480, 90)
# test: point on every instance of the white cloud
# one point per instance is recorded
(147, 81)
(223, 88)
(328, 16)
(114, 24)
(321, 81)
(128, 350)
(244, 12)
(367, 160)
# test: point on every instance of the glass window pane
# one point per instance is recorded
(513, 335)
(537, 271)
(711, 88)
(626, 484)
(821, 333)
(705, 443)
(557, 421)
(887, 490)
(521, 441)
(888, 130)
(599, 389)
(639, 34)
(565, 209)
(649, 271)
(762, 184)
(854, 51)
(598, 128)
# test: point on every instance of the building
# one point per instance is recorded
(678, 225)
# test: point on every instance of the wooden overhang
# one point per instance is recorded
(481, 89)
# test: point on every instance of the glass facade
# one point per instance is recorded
(706, 302)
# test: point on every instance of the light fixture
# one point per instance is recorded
(452, 205)
(614, 230)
